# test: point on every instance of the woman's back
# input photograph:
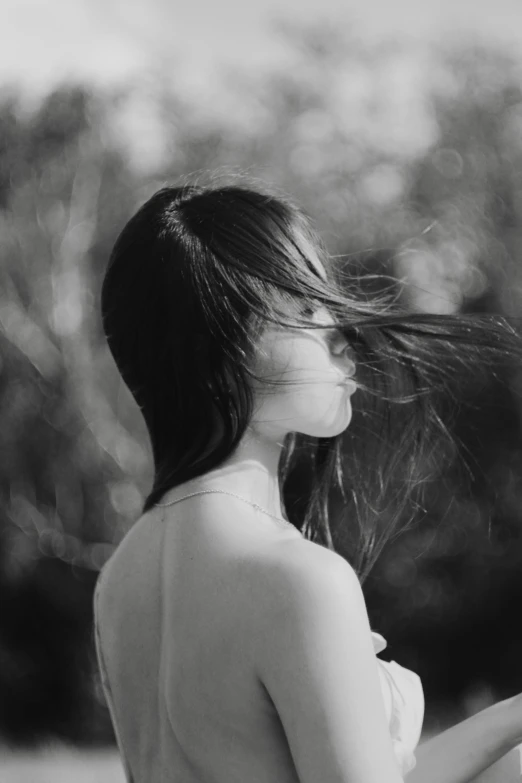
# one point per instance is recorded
(174, 611)
(184, 608)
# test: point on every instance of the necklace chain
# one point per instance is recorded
(224, 492)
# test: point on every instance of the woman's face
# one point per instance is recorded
(312, 363)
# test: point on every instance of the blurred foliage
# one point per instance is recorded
(409, 160)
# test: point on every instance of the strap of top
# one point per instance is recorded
(106, 686)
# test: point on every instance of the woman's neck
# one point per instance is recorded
(251, 472)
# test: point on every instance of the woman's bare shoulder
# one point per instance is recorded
(299, 558)
(300, 549)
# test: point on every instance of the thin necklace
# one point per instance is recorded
(224, 492)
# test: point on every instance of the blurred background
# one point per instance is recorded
(398, 127)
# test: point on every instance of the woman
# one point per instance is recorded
(234, 646)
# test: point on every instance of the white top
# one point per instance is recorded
(404, 702)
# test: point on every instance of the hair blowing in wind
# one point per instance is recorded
(197, 274)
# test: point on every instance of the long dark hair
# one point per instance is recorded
(195, 276)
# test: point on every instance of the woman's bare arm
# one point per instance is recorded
(316, 659)
(464, 752)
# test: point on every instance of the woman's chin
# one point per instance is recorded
(332, 428)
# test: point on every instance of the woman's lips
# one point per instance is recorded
(348, 384)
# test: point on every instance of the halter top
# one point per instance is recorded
(404, 702)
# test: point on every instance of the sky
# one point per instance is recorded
(109, 41)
